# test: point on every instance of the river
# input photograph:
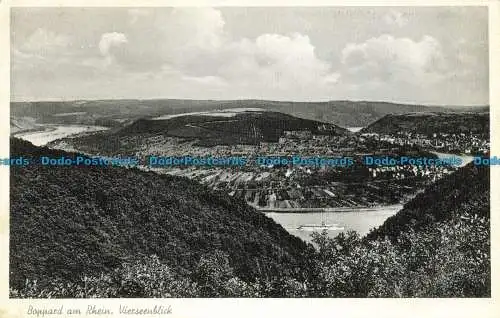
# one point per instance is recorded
(51, 132)
(465, 158)
(354, 129)
(359, 220)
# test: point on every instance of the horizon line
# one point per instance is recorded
(246, 99)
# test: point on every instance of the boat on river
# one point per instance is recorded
(322, 226)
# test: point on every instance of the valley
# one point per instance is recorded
(283, 215)
(99, 239)
(289, 189)
(178, 151)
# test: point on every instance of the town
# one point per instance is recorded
(299, 186)
(271, 177)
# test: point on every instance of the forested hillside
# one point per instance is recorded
(465, 191)
(119, 232)
(430, 123)
(438, 245)
(68, 223)
(214, 128)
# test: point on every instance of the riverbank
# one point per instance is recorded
(361, 220)
(39, 129)
(329, 210)
(42, 135)
(464, 157)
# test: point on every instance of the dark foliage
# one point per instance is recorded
(465, 191)
(68, 222)
(429, 123)
(117, 232)
(243, 128)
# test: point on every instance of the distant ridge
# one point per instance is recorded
(342, 113)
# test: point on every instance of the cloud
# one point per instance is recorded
(194, 42)
(389, 59)
(206, 80)
(407, 70)
(240, 53)
(196, 28)
(109, 40)
(42, 41)
(276, 61)
(173, 36)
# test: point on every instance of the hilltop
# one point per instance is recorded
(235, 126)
(429, 123)
(68, 223)
(197, 130)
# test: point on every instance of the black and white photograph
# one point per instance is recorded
(249, 152)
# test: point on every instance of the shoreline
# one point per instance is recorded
(329, 210)
(40, 129)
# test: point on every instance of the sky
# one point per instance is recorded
(418, 55)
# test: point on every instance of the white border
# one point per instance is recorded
(427, 308)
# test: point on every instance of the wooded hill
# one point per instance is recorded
(120, 232)
(429, 123)
(245, 127)
(465, 191)
(67, 223)
(438, 245)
